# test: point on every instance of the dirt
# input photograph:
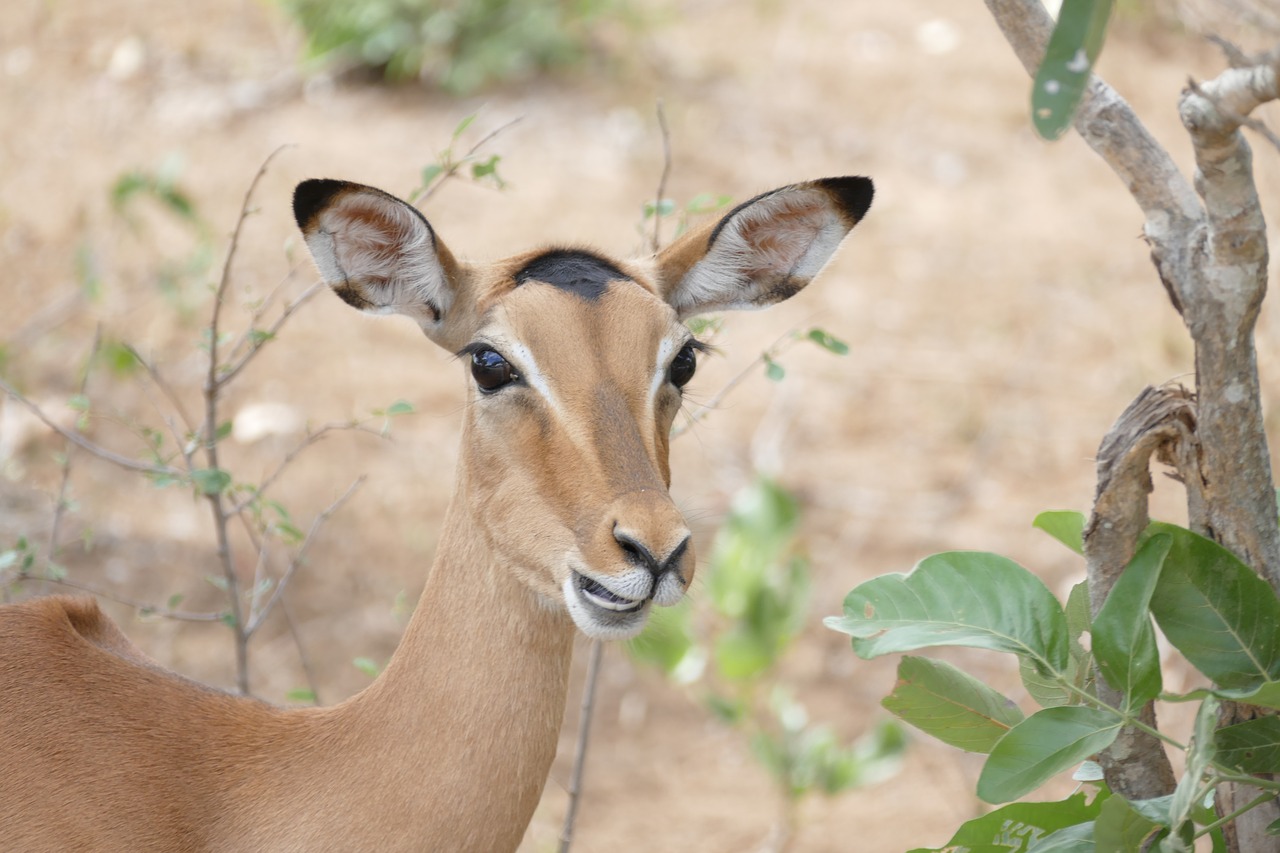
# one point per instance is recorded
(998, 302)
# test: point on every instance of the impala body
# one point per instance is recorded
(560, 521)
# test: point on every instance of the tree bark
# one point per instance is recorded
(1212, 258)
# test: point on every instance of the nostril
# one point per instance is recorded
(636, 552)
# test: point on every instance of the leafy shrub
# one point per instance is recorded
(460, 45)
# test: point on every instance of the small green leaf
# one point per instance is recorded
(78, 403)
(258, 337)
(301, 695)
(1021, 826)
(367, 666)
(1043, 745)
(1064, 73)
(229, 619)
(224, 430)
(211, 481)
(827, 342)
(488, 169)
(728, 711)
(951, 705)
(958, 598)
(666, 639)
(399, 407)
(1066, 526)
(430, 173)
(174, 601)
(1124, 643)
(1073, 839)
(463, 125)
(773, 370)
(1273, 828)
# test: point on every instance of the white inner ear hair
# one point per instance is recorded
(386, 252)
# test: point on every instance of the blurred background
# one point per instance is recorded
(997, 303)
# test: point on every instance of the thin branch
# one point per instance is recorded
(228, 373)
(64, 481)
(453, 166)
(303, 657)
(143, 608)
(83, 443)
(769, 353)
(311, 439)
(299, 557)
(656, 242)
(584, 739)
(260, 310)
(167, 390)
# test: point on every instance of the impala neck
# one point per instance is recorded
(469, 708)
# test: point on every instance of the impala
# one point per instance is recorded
(560, 517)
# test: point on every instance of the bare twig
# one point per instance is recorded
(584, 740)
(64, 480)
(142, 607)
(299, 557)
(229, 372)
(83, 443)
(452, 167)
(769, 353)
(212, 387)
(303, 657)
(167, 390)
(311, 439)
(656, 242)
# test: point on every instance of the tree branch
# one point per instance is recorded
(1135, 766)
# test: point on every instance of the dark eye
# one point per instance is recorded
(491, 370)
(683, 366)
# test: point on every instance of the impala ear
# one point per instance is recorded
(379, 254)
(765, 250)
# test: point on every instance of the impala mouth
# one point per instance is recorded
(594, 593)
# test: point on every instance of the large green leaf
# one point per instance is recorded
(1019, 826)
(1217, 611)
(950, 704)
(1067, 526)
(1120, 828)
(959, 598)
(1042, 746)
(1064, 73)
(1124, 643)
(1252, 746)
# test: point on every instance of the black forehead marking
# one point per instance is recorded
(581, 273)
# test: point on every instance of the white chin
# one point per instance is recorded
(600, 622)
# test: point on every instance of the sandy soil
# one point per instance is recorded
(998, 301)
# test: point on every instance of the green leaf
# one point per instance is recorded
(399, 407)
(211, 481)
(951, 705)
(1073, 48)
(1042, 746)
(1200, 754)
(741, 655)
(1252, 746)
(463, 125)
(1020, 826)
(827, 342)
(78, 403)
(666, 639)
(119, 358)
(1120, 828)
(174, 601)
(959, 598)
(258, 337)
(224, 430)
(1217, 611)
(1273, 828)
(367, 665)
(1124, 643)
(1073, 839)
(301, 696)
(773, 370)
(488, 169)
(430, 173)
(1064, 525)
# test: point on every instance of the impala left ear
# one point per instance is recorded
(765, 250)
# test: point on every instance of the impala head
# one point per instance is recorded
(577, 363)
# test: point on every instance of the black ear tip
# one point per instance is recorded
(854, 194)
(312, 196)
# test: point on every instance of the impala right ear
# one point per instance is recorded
(379, 254)
(765, 250)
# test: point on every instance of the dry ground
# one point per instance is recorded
(998, 300)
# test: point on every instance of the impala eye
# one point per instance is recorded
(491, 370)
(683, 366)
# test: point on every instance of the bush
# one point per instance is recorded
(459, 45)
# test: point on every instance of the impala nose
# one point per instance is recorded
(639, 554)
